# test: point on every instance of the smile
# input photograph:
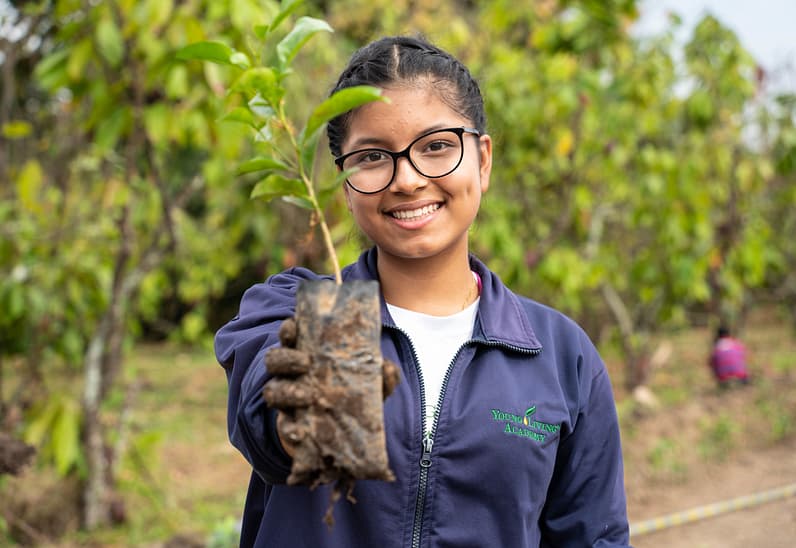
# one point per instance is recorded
(412, 214)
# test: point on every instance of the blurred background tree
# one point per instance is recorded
(636, 192)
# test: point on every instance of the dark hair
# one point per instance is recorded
(397, 59)
(722, 331)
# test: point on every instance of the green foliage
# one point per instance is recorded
(718, 437)
(626, 189)
(54, 428)
(225, 535)
(287, 170)
(666, 460)
(775, 410)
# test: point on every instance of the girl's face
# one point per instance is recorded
(417, 217)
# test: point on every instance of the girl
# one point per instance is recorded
(503, 430)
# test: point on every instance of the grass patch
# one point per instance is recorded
(666, 461)
(180, 475)
(718, 437)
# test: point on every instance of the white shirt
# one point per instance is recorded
(436, 340)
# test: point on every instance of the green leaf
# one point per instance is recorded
(261, 81)
(245, 13)
(303, 203)
(327, 194)
(300, 201)
(79, 57)
(260, 107)
(39, 422)
(261, 31)
(177, 85)
(305, 28)
(212, 51)
(240, 59)
(309, 148)
(29, 184)
(241, 115)
(286, 8)
(157, 121)
(66, 437)
(14, 303)
(111, 128)
(262, 163)
(51, 70)
(342, 176)
(340, 103)
(110, 41)
(193, 326)
(155, 12)
(276, 186)
(17, 129)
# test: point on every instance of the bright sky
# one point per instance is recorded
(764, 27)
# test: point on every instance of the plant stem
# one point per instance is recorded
(327, 235)
(327, 240)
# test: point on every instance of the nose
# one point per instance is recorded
(406, 178)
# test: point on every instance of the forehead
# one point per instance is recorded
(412, 109)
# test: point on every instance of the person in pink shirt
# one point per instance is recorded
(728, 359)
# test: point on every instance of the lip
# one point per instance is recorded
(409, 206)
(414, 222)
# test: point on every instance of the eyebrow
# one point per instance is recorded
(368, 142)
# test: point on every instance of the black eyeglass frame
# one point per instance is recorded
(460, 131)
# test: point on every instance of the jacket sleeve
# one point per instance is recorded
(586, 503)
(240, 348)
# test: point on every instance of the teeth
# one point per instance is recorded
(415, 213)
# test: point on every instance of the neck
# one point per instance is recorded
(436, 286)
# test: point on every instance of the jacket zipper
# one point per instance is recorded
(427, 442)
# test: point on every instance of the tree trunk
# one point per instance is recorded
(95, 489)
(635, 354)
(103, 359)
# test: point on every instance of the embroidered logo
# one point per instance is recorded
(525, 426)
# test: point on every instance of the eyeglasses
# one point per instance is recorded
(433, 155)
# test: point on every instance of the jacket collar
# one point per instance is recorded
(501, 318)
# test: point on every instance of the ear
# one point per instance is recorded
(485, 157)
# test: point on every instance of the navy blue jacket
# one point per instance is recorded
(525, 449)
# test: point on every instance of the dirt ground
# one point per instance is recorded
(739, 458)
(711, 448)
(700, 446)
(745, 472)
(751, 464)
(769, 525)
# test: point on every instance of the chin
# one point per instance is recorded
(405, 251)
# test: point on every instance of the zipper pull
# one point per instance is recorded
(425, 459)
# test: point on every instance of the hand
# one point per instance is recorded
(290, 388)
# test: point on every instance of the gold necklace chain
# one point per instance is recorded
(470, 295)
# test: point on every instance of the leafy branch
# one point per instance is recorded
(286, 174)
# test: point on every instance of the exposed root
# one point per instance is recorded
(344, 484)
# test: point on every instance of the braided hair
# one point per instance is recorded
(397, 59)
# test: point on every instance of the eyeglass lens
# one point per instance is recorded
(433, 155)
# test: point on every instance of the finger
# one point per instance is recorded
(287, 394)
(281, 361)
(290, 433)
(288, 332)
(290, 430)
(390, 377)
